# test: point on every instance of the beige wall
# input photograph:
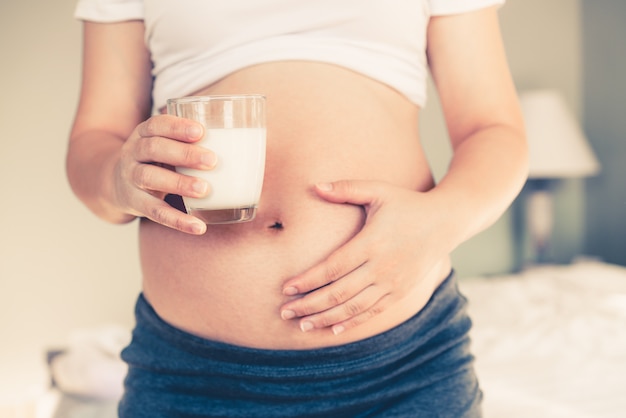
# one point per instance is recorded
(61, 268)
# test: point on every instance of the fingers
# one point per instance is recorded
(180, 129)
(340, 263)
(146, 192)
(166, 139)
(151, 177)
(352, 321)
(160, 212)
(357, 192)
(160, 141)
(343, 291)
(328, 297)
(176, 154)
(343, 314)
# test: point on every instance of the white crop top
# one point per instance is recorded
(194, 43)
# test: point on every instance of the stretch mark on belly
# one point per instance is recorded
(276, 225)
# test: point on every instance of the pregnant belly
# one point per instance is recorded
(227, 284)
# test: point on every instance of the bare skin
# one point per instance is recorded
(351, 236)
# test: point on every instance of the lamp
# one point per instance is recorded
(557, 149)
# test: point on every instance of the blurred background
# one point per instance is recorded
(62, 269)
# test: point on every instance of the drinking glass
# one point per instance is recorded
(235, 130)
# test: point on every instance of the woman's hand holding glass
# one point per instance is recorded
(144, 173)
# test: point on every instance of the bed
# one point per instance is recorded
(550, 342)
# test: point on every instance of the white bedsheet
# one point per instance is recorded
(551, 341)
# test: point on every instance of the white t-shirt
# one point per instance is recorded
(194, 43)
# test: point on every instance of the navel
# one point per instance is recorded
(277, 225)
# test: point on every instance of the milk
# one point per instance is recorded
(236, 181)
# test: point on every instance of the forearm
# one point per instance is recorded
(90, 165)
(486, 173)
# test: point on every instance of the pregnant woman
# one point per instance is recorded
(339, 298)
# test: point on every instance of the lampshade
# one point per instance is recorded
(557, 146)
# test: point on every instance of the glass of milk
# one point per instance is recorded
(234, 129)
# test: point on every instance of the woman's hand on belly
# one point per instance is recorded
(398, 248)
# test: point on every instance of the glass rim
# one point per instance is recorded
(215, 97)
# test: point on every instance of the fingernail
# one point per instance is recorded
(287, 314)
(194, 131)
(306, 326)
(290, 291)
(208, 159)
(197, 227)
(338, 329)
(200, 187)
(327, 187)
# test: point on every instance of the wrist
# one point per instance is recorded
(111, 196)
(91, 165)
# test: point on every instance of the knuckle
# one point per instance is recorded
(378, 308)
(352, 308)
(142, 149)
(305, 310)
(177, 224)
(181, 183)
(336, 297)
(141, 176)
(332, 272)
(162, 215)
(150, 147)
(151, 127)
(375, 310)
(158, 214)
(190, 155)
(365, 315)
(350, 187)
(144, 176)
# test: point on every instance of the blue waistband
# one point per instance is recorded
(423, 364)
(439, 312)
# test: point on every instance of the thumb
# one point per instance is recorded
(356, 192)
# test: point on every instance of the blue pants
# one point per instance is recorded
(421, 368)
